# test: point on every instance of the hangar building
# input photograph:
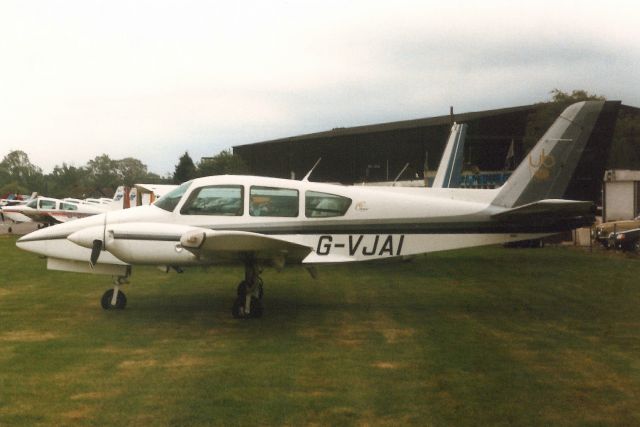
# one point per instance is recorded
(378, 152)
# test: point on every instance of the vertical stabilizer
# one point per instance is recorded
(450, 168)
(546, 171)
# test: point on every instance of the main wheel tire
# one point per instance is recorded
(236, 308)
(121, 300)
(241, 290)
(256, 308)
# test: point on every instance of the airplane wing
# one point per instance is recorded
(203, 242)
(546, 208)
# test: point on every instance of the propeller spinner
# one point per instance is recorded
(91, 238)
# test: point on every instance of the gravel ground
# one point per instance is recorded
(9, 227)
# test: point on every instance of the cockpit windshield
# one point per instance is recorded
(169, 201)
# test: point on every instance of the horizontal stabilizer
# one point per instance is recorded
(546, 208)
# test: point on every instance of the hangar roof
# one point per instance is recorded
(403, 124)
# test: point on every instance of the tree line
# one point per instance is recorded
(102, 175)
(625, 148)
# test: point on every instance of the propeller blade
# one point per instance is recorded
(95, 252)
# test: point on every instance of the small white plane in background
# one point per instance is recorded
(49, 211)
(272, 222)
(7, 204)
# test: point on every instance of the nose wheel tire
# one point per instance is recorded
(107, 300)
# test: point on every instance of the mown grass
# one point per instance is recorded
(485, 336)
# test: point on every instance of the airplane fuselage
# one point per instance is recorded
(358, 223)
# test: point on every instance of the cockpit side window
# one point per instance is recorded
(271, 201)
(47, 204)
(170, 200)
(324, 205)
(226, 200)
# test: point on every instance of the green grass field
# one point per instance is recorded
(487, 336)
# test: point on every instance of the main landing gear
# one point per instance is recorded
(248, 302)
(115, 299)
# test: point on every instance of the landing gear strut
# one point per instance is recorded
(248, 302)
(115, 299)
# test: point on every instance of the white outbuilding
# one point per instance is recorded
(621, 194)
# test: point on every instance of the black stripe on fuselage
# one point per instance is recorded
(372, 228)
(154, 237)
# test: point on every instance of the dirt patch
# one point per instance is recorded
(311, 393)
(119, 350)
(186, 361)
(27, 336)
(386, 365)
(136, 364)
(81, 413)
(394, 335)
(95, 395)
(4, 292)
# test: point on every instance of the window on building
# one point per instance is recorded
(225, 200)
(319, 205)
(270, 201)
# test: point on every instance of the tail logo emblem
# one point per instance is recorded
(541, 169)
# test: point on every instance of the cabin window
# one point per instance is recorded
(323, 205)
(225, 200)
(47, 204)
(172, 198)
(68, 207)
(270, 201)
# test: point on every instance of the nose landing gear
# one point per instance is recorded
(115, 299)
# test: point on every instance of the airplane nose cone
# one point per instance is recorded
(36, 241)
(86, 236)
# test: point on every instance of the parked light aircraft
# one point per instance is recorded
(7, 204)
(272, 222)
(48, 211)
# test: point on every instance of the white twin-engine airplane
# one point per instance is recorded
(272, 222)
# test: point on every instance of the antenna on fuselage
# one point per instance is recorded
(400, 174)
(306, 177)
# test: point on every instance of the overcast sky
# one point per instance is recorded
(153, 79)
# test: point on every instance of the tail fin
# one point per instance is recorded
(547, 170)
(450, 168)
